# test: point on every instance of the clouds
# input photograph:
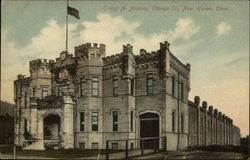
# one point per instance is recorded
(185, 28)
(47, 44)
(223, 28)
(114, 31)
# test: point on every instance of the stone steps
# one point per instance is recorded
(39, 145)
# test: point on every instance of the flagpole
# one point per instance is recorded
(67, 26)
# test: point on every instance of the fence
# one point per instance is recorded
(9, 150)
(127, 148)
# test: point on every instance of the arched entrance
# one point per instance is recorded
(51, 129)
(149, 127)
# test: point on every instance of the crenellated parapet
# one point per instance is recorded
(88, 50)
(24, 80)
(175, 61)
(146, 57)
(210, 110)
(219, 115)
(37, 64)
(164, 45)
(223, 117)
(114, 61)
(204, 106)
(216, 112)
(208, 126)
(160, 59)
(197, 100)
(127, 48)
(125, 61)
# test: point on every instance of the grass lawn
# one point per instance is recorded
(67, 153)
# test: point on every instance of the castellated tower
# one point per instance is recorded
(27, 90)
(89, 108)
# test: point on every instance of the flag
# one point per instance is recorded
(73, 12)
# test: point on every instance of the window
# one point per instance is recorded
(82, 145)
(131, 145)
(131, 120)
(131, 87)
(95, 86)
(182, 91)
(150, 83)
(173, 85)
(25, 99)
(94, 121)
(94, 145)
(81, 121)
(25, 126)
(173, 121)
(45, 91)
(115, 85)
(115, 120)
(114, 145)
(182, 123)
(34, 92)
(82, 87)
(63, 89)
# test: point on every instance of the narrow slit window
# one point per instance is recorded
(173, 121)
(115, 120)
(173, 85)
(82, 121)
(95, 86)
(150, 83)
(45, 91)
(82, 87)
(95, 121)
(131, 120)
(115, 85)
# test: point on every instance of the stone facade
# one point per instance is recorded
(207, 126)
(82, 101)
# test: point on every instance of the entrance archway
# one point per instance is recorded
(149, 127)
(51, 127)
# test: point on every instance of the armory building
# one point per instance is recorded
(85, 99)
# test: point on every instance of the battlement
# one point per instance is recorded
(127, 48)
(112, 58)
(211, 111)
(145, 56)
(219, 114)
(215, 112)
(88, 49)
(22, 79)
(176, 60)
(204, 106)
(164, 46)
(37, 63)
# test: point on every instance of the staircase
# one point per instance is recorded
(38, 145)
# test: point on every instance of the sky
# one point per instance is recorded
(213, 36)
